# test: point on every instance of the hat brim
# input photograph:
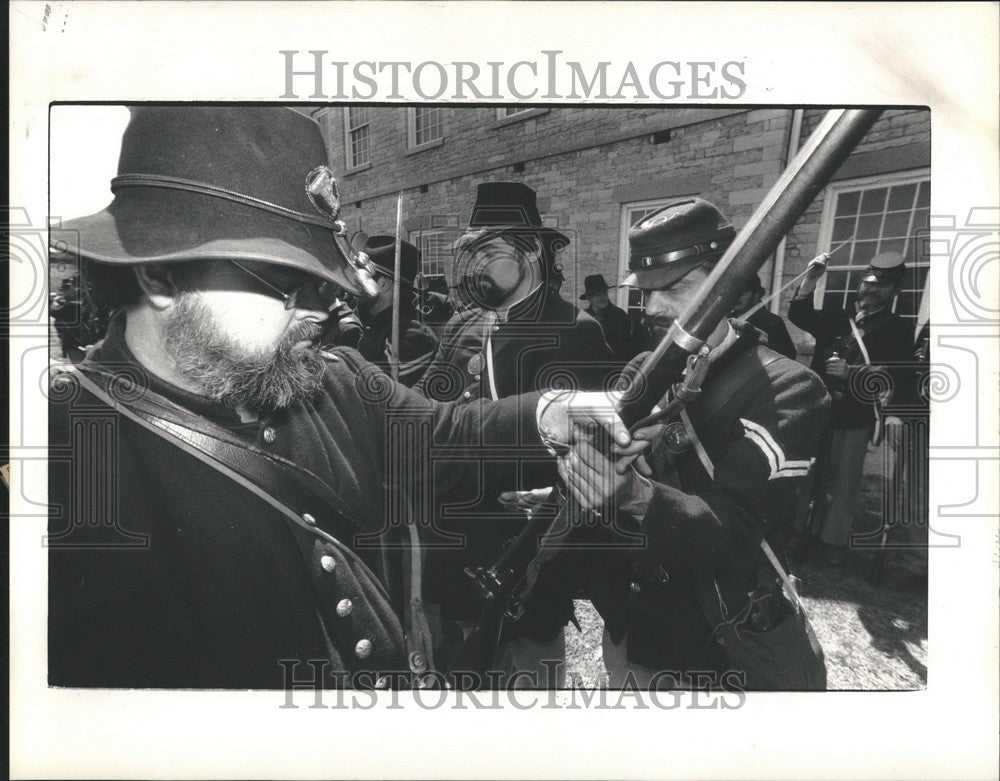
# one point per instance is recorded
(136, 233)
(662, 277)
(478, 235)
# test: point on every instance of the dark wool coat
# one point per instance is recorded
(759, 418)
(775, 330)
(888, 339)
(417, 344)
(545, 342)
(617, 331)
(165, 573)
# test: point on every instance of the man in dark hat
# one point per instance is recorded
(764, 320)
(417, 342)
(519, 336)
(226, 498)
(614, 322)
(854, 345)
(704, 502)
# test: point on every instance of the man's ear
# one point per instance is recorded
(157, 283)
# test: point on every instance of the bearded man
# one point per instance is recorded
(227, 499)
(519, 336)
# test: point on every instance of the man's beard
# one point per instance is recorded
(657, 327)
(235, 375)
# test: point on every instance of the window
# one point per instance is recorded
(357, 137)
(426, 126)
(866, 217)
(631, 299)
(435, 248)
(509, 111)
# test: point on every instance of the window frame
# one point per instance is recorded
(417, 237)
(831, 196)
(348, 145)
(625, 223)
(411, 130)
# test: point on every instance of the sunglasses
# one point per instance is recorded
(326, 292)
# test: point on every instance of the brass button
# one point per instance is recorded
(467, 395)
(363, 649)
(270, 435)
(308, 519)
(344, 608)
(381, 682)
(477, 377)
(328, 563)
(496, 328)
(418, 663)
(635, 587)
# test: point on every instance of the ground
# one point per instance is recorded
(874, 637)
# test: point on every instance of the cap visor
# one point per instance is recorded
(660, 278)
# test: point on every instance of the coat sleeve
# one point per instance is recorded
(437, 381)
(802, 314)
(770, 449)
(419, 348)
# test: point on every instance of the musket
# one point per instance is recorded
(506, 585)
(394, 337)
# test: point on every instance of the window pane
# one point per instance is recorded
(873, 200)
(892, 245)
(924, 196)
(357, 117)
(847, 203)
(862, 252)
(920, 220)
(836, 280)
(868, 227)
(427, 125)
(843, 229)
(897, 224)
(901, 197)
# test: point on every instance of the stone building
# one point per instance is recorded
(597, 170)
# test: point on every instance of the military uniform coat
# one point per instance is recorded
(545, 342)
(760, 430)
(888, 339)
(418, 344)
(165, 573)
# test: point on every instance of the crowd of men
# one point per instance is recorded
(299, 480)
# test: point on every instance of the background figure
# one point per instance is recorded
(517, 335)
(79, 320)
(614, 322)
(344, 327)
(764, 320)
(417, 342)
(907, 528)
(435, 308)
(853, 347)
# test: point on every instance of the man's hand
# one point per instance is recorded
(836, 367)
(595, 479)
(815, 269)
(567, 417)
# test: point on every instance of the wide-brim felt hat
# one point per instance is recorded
(381, 250)
(671, 241)
(511, 209)
(214, 183)
(594, 283)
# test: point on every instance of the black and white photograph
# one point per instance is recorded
(578, 390)
(235, 319)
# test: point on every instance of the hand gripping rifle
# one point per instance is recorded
(506, 585)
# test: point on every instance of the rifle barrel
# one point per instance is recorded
(808, 173)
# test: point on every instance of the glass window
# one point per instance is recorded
(358, 136)
(427, 124)
(885, 214)
(435, 248)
